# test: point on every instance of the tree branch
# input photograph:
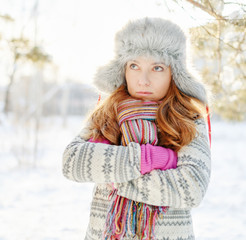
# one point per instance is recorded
(214, 36)
(235, 3)
(209, 11)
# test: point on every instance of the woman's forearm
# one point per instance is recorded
(85, 161)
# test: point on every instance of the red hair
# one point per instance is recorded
(175, 118)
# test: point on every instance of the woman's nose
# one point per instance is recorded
(143, 79)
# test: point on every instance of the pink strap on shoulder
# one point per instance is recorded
(209, 124)
(104, 140)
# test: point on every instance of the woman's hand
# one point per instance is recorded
(157, 157)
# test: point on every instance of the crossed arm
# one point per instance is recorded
(183, 187)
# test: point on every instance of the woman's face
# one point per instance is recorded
(147, 79)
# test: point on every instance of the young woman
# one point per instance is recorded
(146, 146)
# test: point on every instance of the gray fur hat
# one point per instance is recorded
(155, 37)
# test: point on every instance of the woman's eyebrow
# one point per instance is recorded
(155, 63)
(134, 61)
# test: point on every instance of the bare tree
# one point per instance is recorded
(221, 44)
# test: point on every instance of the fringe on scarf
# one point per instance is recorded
(131, 219)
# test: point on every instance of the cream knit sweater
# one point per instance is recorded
(181, 189)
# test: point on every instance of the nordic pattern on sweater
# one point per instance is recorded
(181, 188)
(101, 163)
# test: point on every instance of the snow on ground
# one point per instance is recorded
(38, 203)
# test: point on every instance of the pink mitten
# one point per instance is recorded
(157, 157)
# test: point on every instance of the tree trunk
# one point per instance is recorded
(7, 94)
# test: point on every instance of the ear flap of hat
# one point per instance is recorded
(110, 77)
(189, 85)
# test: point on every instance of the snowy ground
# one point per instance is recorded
(38, 203)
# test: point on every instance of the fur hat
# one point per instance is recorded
(155, 37)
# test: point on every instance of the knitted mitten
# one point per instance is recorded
(157, 157)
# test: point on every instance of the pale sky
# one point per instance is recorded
(79, 34)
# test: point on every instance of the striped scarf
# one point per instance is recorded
(136, 121)
(128, 218)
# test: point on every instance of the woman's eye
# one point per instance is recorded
(158, 68)
(133, 66)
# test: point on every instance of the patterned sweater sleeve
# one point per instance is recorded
(85, 161)
(183, 187)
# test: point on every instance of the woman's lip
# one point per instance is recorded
(144, 93)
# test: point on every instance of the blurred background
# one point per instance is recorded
(49, 52)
